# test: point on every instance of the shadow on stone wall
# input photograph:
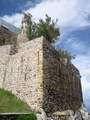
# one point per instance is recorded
(61, 85)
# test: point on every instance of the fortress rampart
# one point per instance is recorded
(37, 76)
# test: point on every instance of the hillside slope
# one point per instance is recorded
(10, 103)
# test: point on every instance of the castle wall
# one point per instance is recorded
(6, 37)
(22, 73)
(62, 87)
(8, 40)
(3, 63)
(5, 50)
(37, 75)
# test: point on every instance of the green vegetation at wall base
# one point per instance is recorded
(9, 103)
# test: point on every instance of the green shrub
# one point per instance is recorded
(46, 28)
(27, 117)
(64, 54)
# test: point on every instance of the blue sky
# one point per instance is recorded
(13, 6)
(74, 22)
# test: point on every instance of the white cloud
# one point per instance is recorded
(83, 64)
(14, 19)
(75, 43)
(69, 13)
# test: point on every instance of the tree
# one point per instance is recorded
(46, 28)
(49, 30)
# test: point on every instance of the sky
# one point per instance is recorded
(74, 23)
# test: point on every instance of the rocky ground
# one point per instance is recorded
(80, 114)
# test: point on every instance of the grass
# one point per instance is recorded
(9, 103)
(27, 117)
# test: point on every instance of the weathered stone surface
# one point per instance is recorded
(84, 112)
(8, 40)
(7, 37)
(36, 75)
(33, 71)
(22, 74)
(62, 87)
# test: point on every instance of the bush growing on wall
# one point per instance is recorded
(64, 54)
(49, 30)
(46, 28)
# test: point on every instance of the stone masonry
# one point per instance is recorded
(62, 87)
(36, 75)
(22, 74)
(33, 71)
(8, 38)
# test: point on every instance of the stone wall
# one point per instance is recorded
(22, 73)
(8, 40)
(36, 75)
(7, 37)
(62, 87)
